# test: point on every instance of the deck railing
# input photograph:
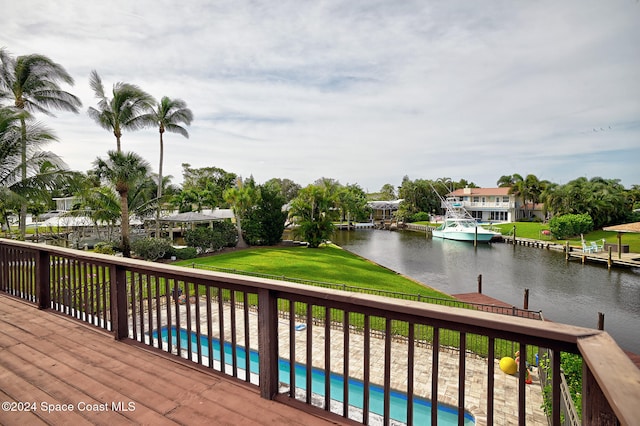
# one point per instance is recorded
(378, 345)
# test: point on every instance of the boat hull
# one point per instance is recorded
(463, 236)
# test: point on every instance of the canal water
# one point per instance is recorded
(567, 292)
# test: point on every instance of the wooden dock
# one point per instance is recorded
(528, 242)
(575, 253)
(610, 259)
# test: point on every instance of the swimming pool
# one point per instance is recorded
(398, 400)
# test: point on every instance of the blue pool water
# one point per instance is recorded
(398, 400)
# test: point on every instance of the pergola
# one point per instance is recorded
(620, 229)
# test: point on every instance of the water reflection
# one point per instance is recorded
(565, 292)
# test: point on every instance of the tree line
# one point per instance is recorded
(122, 182)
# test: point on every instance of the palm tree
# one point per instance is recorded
(123, 170)
(124, 111)
(32, 82)
(240, 198)
(43, 168)
(168, 115)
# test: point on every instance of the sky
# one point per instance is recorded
(364, 92)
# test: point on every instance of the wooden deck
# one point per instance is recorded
(50, 361)
(624, 259)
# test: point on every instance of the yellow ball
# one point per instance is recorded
(508, 365)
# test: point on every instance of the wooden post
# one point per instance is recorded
(475, 237)
(480, 283)
(609, 261)
(268, 343)
(43, 281)
(567, 249)
(600, 321)
(514, 236)
(526, 299)
(119, 309)
(619, 245)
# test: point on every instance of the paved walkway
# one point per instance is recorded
(505, 386)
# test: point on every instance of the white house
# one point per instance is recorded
(495, 204)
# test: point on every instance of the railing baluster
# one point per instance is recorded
(221, 328)
(176, 304)
(410, 371)
(387, 370)
(309, 354)
(196, 290)
(234, 360)
(555, 387)
(187, 304)
(106, 295)
(247, 336)
(367, 366)
(327, 358)
(292, 349)
(146, 278)
(158, 311)
(490, 379)
(462, 367)
(345, 371)
(522, 375)
(169, 284)
(209, 326)
(134, 317)
(175, 285)
(435, 358)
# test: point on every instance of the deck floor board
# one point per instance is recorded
(52, 359)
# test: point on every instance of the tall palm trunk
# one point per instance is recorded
(124, 224)
(241, 242)
(159, 193)
(23, 171)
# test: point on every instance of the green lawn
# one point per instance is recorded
(327, 263)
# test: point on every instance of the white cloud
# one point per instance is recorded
(363, 92)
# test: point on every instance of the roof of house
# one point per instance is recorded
(480, 191)
(190, 217)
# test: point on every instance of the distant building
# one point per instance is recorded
(383, 210)
(496, 204)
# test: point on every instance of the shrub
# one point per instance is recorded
(570, 224)
(185, 253)
(103, 248)
(150, 248)
(222, 234)
(419, 217)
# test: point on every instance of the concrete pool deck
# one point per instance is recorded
(476, 380)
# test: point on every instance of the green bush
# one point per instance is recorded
(569, 225)
(184, 253)
(221, 234)
(419, 217)
(103, 248)
(150, 248)
(571, 366)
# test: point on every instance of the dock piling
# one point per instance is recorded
(480, 283)
(525, 305)
(600, 321)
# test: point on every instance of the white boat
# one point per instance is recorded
(459, 225)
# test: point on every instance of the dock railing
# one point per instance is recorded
(223, 321)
